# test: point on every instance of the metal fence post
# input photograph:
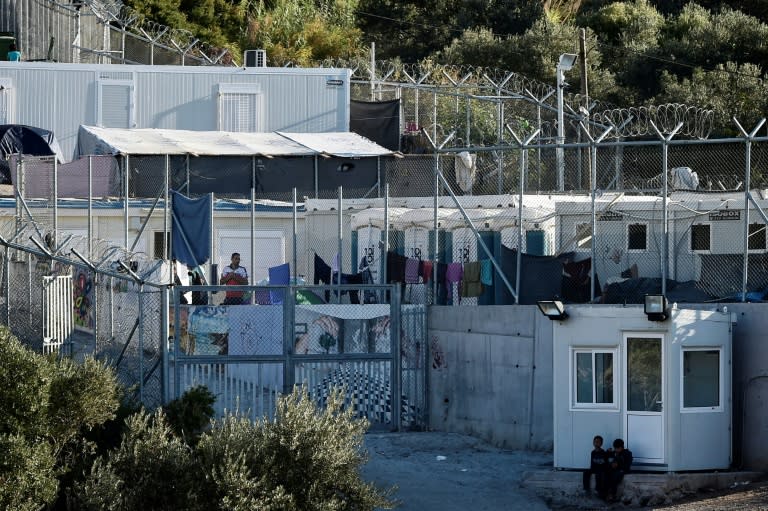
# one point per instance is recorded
(748, 138)
(593, 196)
(664, 193)
(523, 167)
(164, 335)
(395, 311)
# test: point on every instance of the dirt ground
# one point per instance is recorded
(451, 472)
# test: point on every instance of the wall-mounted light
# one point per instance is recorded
(553, 309)
(656, 307)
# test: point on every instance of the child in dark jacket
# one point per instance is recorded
(598, 464)
(619, 464)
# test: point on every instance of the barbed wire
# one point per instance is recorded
(628, 122)
(639, 121)
(175, 39)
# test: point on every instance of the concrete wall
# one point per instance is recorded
(491, 376)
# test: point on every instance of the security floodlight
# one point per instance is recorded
(567, 61)
(655, 307)
(553, 309)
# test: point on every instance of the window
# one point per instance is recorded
(241, 107)
(584, 236)
(158, 247)
(593, 378)
(6, 101)
(700, 237)
(637, 237)
(701, 378)
(756, 237)
(115, 103)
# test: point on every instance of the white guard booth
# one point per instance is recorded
(662, 386)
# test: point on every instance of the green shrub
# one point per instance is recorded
(46, 407)
(303, 460)
(27, 478)
(24, 387)
(152, 469)
(191, 413)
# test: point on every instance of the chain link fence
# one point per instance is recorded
(103, 32)
(623, 235)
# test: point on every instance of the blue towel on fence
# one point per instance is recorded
(279, 276)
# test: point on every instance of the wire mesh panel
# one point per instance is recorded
(240, 351)
(248, 389)
(25, 301)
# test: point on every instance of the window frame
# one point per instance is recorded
(761, 227)
(573, 386)
(692, 250)
(129, 86)
(638, 250)
(233, 91)
(720, 383)
(577, 235)
(7, 101)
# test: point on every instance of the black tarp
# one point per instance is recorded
(231, 176)
(541, 277)
(29, 140)
(378, 121)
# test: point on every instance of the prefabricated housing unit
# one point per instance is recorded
(61, 97)
(706, 231)
(663, 386)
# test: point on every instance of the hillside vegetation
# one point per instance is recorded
(710, 54)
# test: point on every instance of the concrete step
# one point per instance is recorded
(564, 487)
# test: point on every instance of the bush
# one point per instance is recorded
(27, 478)
(191, 413)
(152, 469)
(46, 407)
(304, 460)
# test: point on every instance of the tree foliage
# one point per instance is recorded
(303, 460)
(638, 51)
(46, 407)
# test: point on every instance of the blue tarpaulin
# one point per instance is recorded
(191, 229)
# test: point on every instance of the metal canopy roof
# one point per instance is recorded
(144, 141)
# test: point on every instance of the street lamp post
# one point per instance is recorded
(566, 62)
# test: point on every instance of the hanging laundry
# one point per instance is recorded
(279, 276)
(425, 271)
(486, 272)
(470, 282)
(395, 267)
(190, 229)
(322, 271)
(411, 271)
(453, 273)
(465, 170)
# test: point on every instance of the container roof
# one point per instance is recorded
(146, 141)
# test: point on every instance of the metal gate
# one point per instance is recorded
(58, 321)
(248, 354)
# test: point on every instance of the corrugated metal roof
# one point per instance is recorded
(221, 143)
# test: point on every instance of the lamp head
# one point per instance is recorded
(567, 61)
(656, 307)
(553, 309)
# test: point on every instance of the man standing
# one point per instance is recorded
(234, 275)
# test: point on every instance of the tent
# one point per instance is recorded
(21, 139)
(230, 163)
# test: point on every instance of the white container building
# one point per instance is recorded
(61, 97)
(664, 387)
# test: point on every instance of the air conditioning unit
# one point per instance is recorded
(255, 58)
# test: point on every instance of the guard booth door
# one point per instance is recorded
(644, 391)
